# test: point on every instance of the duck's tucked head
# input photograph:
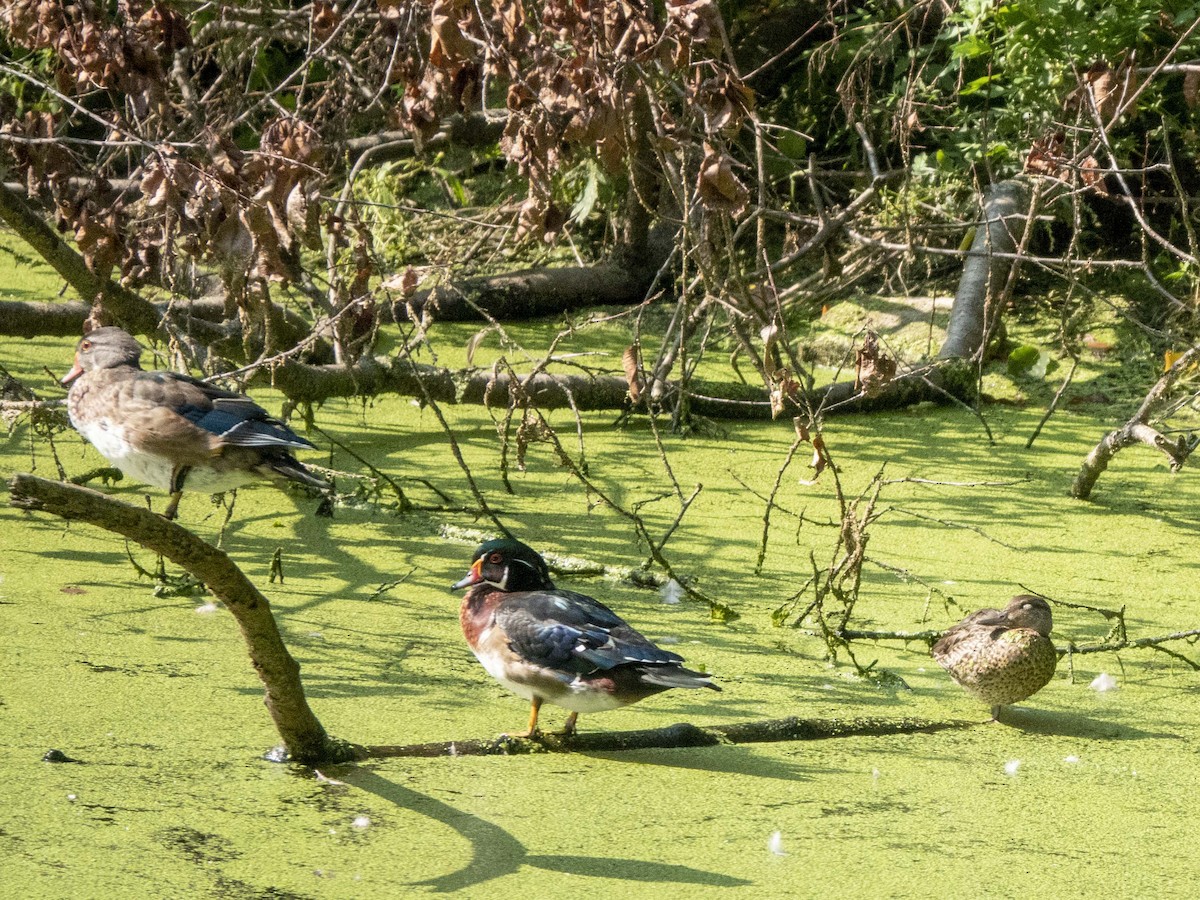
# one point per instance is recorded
(104, 348)
(1027, 611)
(508, 565)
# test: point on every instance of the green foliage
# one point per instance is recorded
(1030, 361)
(981, 86)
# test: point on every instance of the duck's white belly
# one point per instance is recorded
(108, 438)
(575, 695)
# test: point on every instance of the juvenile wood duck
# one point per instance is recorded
(554, 646)
(173, 431)
(1001, 657)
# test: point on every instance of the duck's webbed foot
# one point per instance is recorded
(568, 729)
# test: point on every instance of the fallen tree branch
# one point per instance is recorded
(986, 272)
(477, 130)
(672, 736)
(370, 376)
(1138, 431)
(304, 738)
(1136, 643)
(200, 319)
(531, 293)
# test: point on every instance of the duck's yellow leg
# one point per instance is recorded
(177, 477)
(534, 708)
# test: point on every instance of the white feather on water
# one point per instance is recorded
(671, 592)
(1103, 682)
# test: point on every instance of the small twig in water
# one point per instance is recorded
(388, 585)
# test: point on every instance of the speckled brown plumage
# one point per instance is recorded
(1001, 656)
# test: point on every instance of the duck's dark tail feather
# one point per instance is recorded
(677, 677)
(287, 466)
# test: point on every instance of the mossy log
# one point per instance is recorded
(672, 736)
(952, 381)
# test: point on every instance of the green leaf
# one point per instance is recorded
(1031, 361)
(455, 186)
(1022, 359)
(970, 48)
(793, 145)
(973, 86)
(587, 199)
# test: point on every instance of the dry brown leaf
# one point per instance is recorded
(303, 217)
(699, 19)
(233, 245)
(474, 342)
(1092, 176)
(405, 282)
(325, 19)
(784, 388)
(632, 366)
(1191, 88)
(511, 15)
(448, 47)
(393, 9)
(156, 188)
(819, 461)
(820, 458)
(874, 369)
(719, 188)
(1045, 156)
(1110, 87)
(98, 242)
(725, 102)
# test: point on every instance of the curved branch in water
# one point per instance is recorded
(304, 738)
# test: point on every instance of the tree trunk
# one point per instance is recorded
(985, 275)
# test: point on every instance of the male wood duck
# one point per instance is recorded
(173, 431)
(554, 646)
(1001, 657)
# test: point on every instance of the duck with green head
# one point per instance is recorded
(559, 647)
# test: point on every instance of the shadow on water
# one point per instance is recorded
(724, 759)
(1040, 721)
(495, 853)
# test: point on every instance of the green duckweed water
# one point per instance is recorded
(1085, 794)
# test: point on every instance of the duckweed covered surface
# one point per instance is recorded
(1085, 793)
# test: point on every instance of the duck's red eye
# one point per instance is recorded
(495, 559)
